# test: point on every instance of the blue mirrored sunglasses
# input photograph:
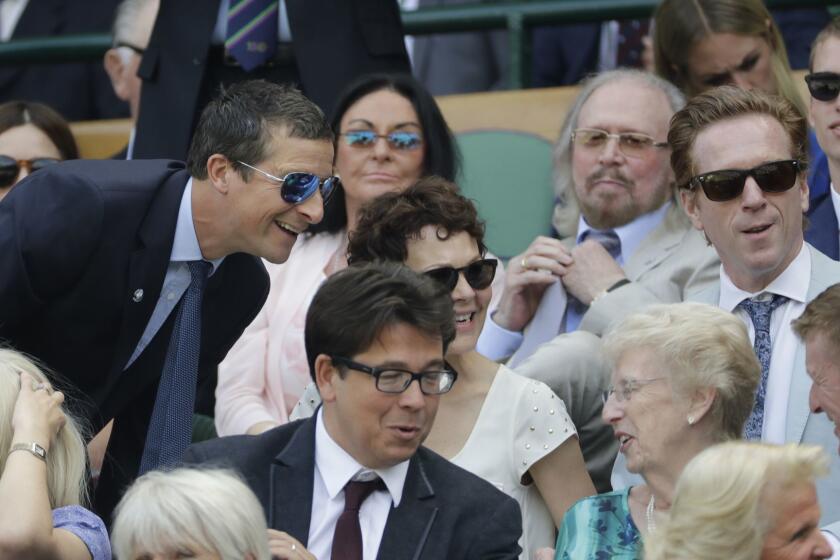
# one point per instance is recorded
(399, 139)
(298, 186)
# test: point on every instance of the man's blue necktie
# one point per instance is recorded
(170, 428)
(252, 31)
(760, 313)
(609, 240)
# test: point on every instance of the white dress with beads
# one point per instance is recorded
(520, 422)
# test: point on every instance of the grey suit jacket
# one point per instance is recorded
(449, 63)
(673, 260)
(802, 425)
(445, 511)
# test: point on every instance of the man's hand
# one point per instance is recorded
(526, 278)
(592, 271)
(283, 546)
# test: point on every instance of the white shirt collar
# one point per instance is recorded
(835, 199)
(633, 233)
(791, 283)
(129, 150)
(185, 246)
(337, 467)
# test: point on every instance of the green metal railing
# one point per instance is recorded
(518, 18)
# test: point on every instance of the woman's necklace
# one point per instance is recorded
(651, 522)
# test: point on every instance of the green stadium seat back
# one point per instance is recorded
(508, 175)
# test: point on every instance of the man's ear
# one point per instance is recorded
(689, 203)
(114, 67)
(218, 169)
(326, 375)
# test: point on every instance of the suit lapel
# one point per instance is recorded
(660, 243)
(408, 526)
(290, 487)
(148, 265)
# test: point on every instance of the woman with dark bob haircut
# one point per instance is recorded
(390, 133)
(32, 135)
(510, 430)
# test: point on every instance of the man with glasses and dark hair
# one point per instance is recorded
(740, 158)
(625, 243)
(824, 177)
(353, 481)
(104, 265)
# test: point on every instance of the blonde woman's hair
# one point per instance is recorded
(67, 458)
(681, 24)
(718, 509)
(567, 211)
(699, 346)
(210, 508)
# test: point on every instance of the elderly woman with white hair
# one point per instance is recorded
(745, 501)
(207, 514)
(43, 482)
(684, 378)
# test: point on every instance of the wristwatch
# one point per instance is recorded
(33, 448)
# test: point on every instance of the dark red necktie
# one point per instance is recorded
(347, 539)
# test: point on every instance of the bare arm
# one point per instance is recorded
(26, 528)
(562, 479)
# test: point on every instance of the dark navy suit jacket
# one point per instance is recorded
(822, 230)
(445, 511)
(78, 243)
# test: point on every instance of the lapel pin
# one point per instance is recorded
(138, 296)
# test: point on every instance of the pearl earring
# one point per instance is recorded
(691, 420)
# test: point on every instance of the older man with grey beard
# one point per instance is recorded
(627, 244)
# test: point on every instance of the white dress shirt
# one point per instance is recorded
(185, 248)
(334, 468)
(496, 342)
(835, 545)
(793, 284)
(835, 200)
(10, 12)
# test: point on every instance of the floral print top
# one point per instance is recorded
(599, 528)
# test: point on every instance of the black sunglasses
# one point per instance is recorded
(296, 187)
(10, 167)
(824, 86)
(478, 274)
(728, 184)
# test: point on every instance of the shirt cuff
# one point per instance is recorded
(497, 343)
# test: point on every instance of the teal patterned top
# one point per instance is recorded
(599, 528)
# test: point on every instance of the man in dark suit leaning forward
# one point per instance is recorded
(128, 278)
(372, 331)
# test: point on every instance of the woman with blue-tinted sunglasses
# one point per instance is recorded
(389, 133)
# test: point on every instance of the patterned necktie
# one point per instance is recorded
(252, 31)
(347, 539)
(170, 428)
(575, 308)
(760, 313)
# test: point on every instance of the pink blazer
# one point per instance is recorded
(265, 372)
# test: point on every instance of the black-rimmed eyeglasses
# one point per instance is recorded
(396, 380)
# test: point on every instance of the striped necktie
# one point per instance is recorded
(252, 32)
